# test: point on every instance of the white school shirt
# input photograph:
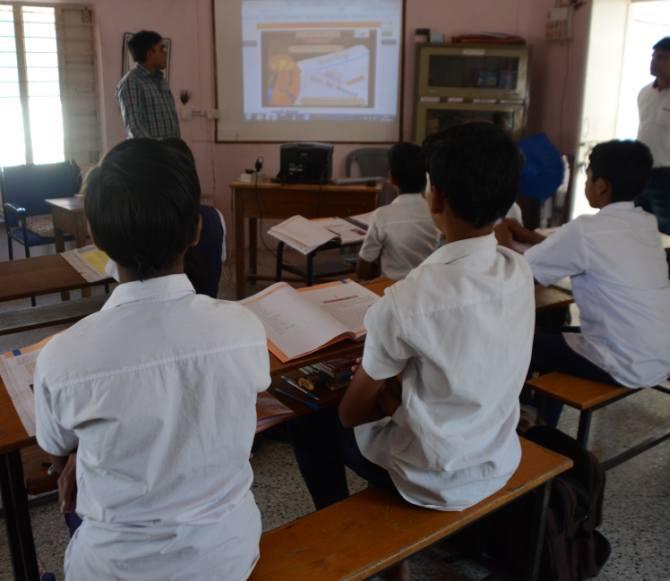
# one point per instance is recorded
(158, 392)
(403, 233)
(459, 328)
(620, 284)
(654, 129)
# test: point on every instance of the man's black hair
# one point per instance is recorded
(431, 144)
(408, 168)
(141, 43)
(142, 203)
(663, 44)
(476, 168)
(626, 165)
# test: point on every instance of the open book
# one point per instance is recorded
(305, 235)
(88, 261)
(299, 322)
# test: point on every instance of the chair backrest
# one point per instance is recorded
(29, 185)
(371, 162)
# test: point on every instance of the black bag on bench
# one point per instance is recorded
(573, 549)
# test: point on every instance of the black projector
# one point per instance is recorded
(305, 163)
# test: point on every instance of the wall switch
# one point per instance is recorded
(559, 24)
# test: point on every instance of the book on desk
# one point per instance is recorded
(300, 322)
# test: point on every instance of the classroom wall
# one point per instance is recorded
(556, 82)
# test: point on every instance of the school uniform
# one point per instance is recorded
(402, 233)
(157, 393)
(620, 283)
(654, 128)
(459, 331)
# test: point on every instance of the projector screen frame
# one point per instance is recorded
(401, 89)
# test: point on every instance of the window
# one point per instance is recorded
(31, 104)
(48, 98)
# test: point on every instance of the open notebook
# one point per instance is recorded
(305, 235)
(299, 322)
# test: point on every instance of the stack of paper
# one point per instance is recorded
(88, 261)
(299, 322)
(16, 370)
(302, 234)
(362, 220)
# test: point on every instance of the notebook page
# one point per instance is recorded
(294, 326)
(347, 301)
(301, 234)
(348, 233)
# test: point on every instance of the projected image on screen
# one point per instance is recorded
(319, 68)
(294, 70)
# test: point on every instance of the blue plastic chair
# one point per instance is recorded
(24, 191)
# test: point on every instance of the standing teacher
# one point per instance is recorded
(147, 104)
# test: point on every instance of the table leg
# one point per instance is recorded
(253, 246)
(17, 517)
(240, 275)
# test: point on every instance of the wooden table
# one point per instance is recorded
(68, 218)
(271, 200)
(40, 275)
(13, 436)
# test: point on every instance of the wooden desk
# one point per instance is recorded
(271, 200)
(13, 436)
(68, 218)
(39, 275)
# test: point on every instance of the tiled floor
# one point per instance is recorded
(637, 504)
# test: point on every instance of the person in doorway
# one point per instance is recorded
(654, 131)
(147, 104)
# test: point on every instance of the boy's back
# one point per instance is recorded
(160, 390)
(403, 234)
(461, 327)
(620, 284)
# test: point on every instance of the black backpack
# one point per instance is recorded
(573, 549)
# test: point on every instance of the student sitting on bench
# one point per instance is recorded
(619, 280)
(457, 332)
(156, 393)
(401, 235)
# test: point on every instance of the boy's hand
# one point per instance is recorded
(67, 485)
(504, 234)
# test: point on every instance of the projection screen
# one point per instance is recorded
(308, 70)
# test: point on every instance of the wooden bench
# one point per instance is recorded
(588, 396)
(375, 529)
(49, 315)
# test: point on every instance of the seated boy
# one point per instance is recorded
(402, 234)
(457, 332)
(619, 279)
(156, 393)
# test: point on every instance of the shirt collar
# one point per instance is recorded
(163, 288)
(617, 206)
(145, 72)
(407, 199)
(481, 245)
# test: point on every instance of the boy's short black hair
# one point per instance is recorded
(626, 165)
(477, 168)
(663, 44)
(141, 43)
(142, 204)
(407, 167)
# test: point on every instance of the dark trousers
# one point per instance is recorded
(323, 447)
(552, 353)
(655, 198)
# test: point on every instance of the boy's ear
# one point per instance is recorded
(435, 201)
(198, 231)
(603, 189)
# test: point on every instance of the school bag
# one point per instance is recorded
(573, 548)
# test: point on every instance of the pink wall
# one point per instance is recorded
(556, 84)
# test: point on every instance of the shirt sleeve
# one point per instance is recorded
(515, 213)
(385, 353)
(374, 241)
(561, 254)
(223, 240)
(132, 108)
(52, 437)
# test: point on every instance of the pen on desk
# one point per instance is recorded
(300, 388)
(308, 402)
